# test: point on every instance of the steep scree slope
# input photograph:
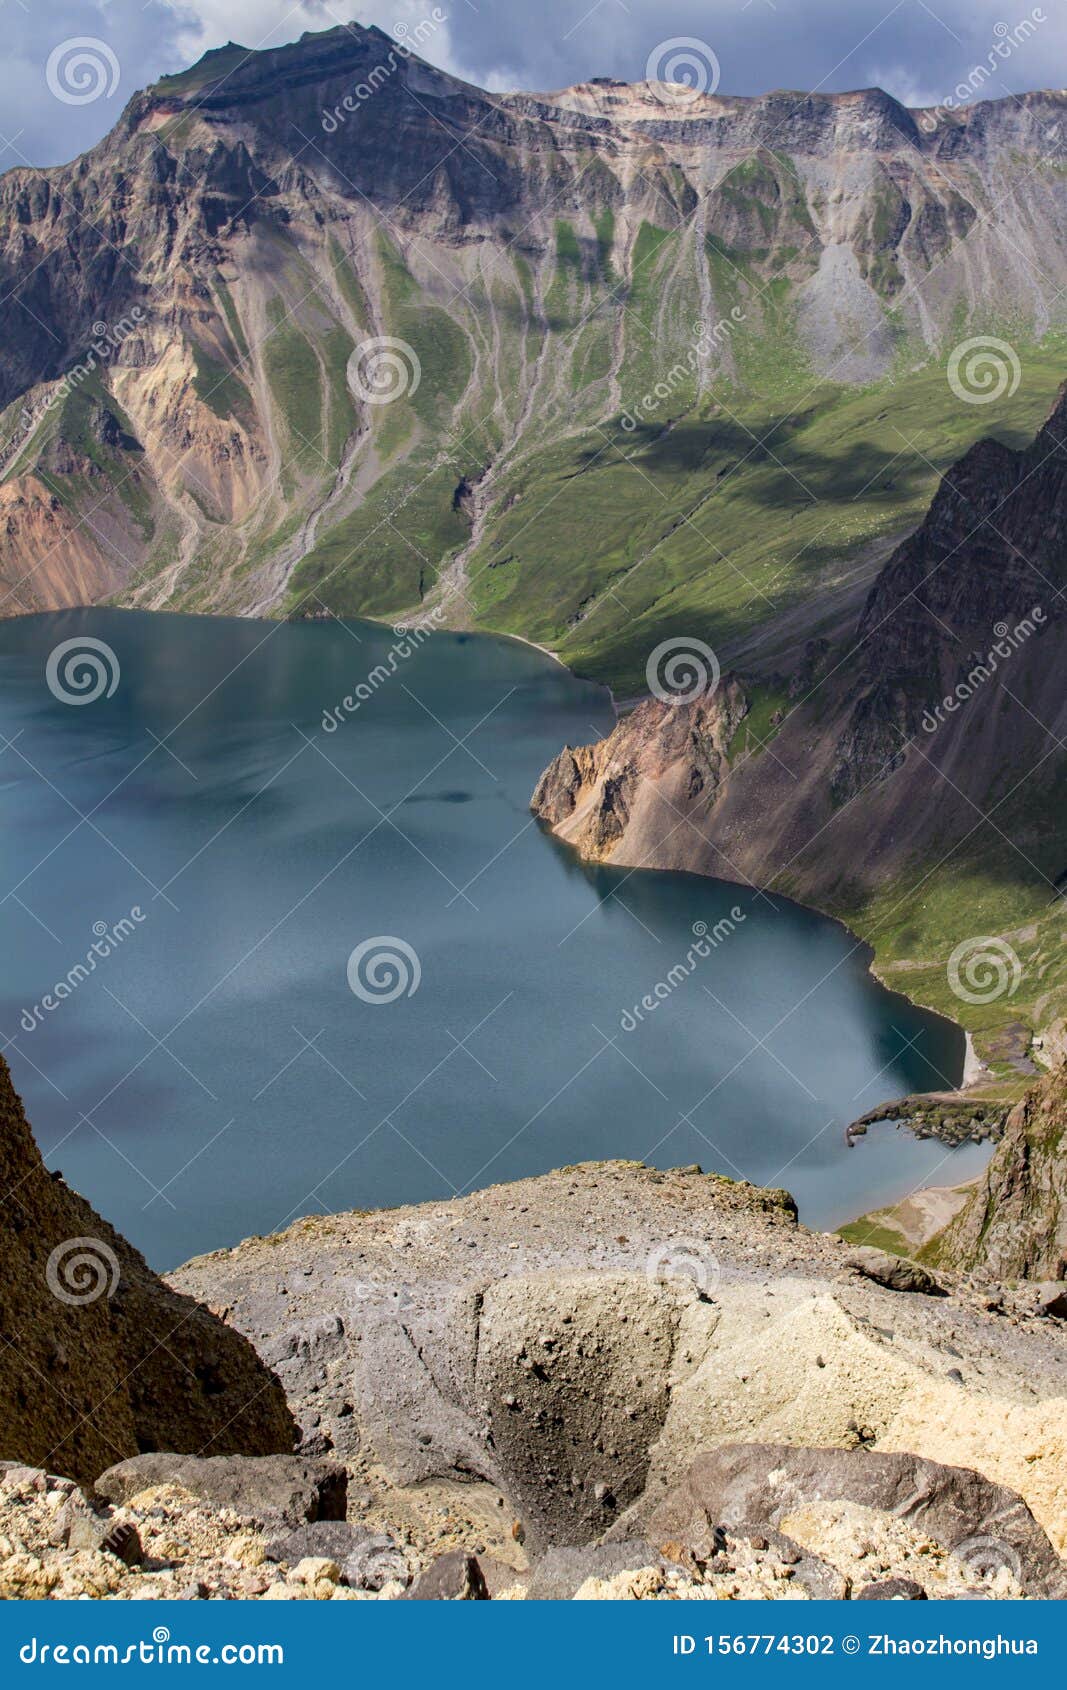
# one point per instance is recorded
(100, 1359)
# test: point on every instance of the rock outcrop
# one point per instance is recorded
(968, 602)
(164, 1542)
(773, 1485)
(657, 776)
(273, 1490)
(569, 1342)
(1014, 1223)
(100, 1359)
(507, 1393)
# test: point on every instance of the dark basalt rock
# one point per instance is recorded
(891, 1590)
(988, 1524)
(333, 1539)
(455, 1577)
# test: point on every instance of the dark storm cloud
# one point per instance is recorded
(919, 51)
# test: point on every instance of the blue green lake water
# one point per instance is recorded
(214, 1074)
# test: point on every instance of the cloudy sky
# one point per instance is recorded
(920, 50)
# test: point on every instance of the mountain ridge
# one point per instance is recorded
(543, 263)
(907, 779)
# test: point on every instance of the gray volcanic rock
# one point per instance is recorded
(332, 1539)
(561, 1571)
(574, 1372)
(896, 1273)
(270, 1489)
(572, 1339)
(455, 1577)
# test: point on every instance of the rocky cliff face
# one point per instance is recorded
(184, 425)
(657, 775)
(911, 782)
(100, 1359)
(612, 1381)
(1014, 1224)
(949, 680)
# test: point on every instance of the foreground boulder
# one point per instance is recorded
(100, 1358)
(983, 1524)
(271, 1490)
(896, 1273)
(455, 1577)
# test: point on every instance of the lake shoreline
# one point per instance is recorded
(233, 700)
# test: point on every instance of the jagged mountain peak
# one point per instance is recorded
(555, 267)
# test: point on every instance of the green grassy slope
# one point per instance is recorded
(616, 540)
